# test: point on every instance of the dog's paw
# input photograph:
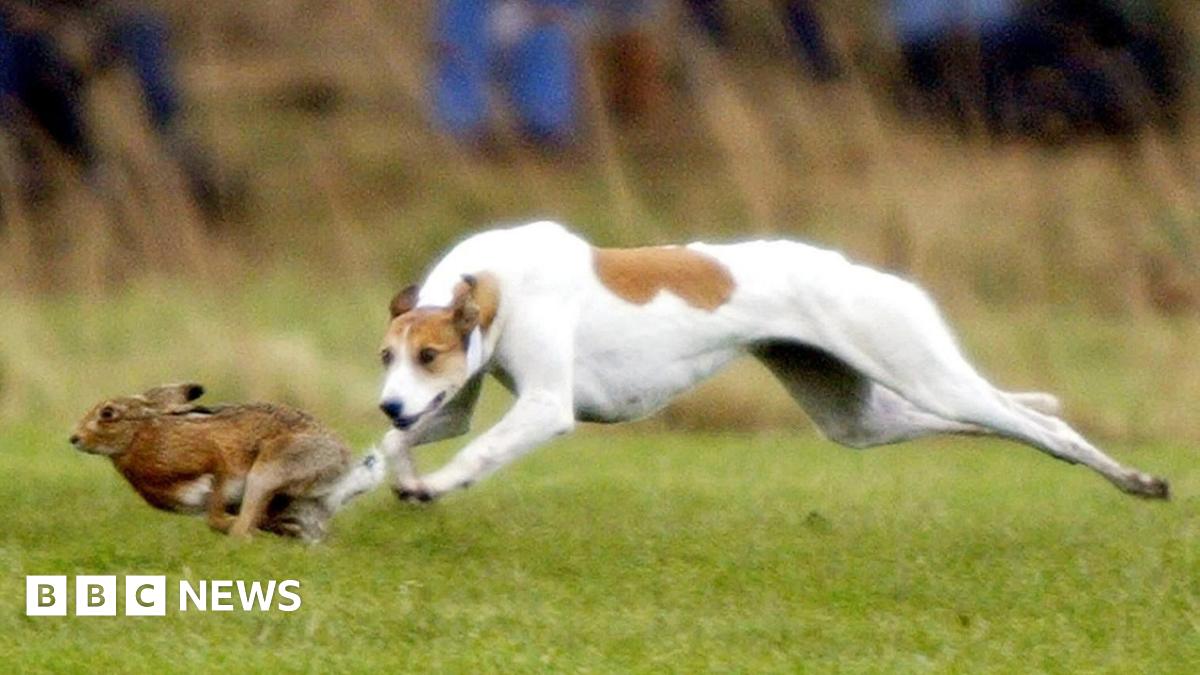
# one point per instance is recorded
(413, 491)
(1148, 487)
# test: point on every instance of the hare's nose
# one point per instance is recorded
(74, 439)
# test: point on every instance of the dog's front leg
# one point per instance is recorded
(397, 450)
(535, 418)
(538, 355)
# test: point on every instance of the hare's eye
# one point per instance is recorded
(107, 413)
(427, 355)
(386, 357)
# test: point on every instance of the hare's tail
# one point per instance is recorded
(363, 476)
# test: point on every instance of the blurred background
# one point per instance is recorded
(231, 191)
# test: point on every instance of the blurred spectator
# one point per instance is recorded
(627, 51)
(39, 87)
(1117, 62)
(522, 48)
(805, 32)
(42, 88)
(1031, 67)
(955, 53)
(709, 15)
(807, 35)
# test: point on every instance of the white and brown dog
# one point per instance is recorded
(609, 335)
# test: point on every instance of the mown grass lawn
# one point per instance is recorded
(647, 552)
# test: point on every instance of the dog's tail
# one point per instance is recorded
(363, 476)
(1047, 404)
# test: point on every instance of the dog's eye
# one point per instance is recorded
(107, 413)
(386, 357)
(427, 355)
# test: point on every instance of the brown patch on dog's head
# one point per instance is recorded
(638, 274)
(433, 339)
(436, 337)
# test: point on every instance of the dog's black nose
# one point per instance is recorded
(74, 439)
(392, 409)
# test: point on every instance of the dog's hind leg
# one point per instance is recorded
(948, 386)
(846, 406)
(943, 383)
(1058, 439)
(851, 409)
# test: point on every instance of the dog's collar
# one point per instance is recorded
(474, 351)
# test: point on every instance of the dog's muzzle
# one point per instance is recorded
(395, 412)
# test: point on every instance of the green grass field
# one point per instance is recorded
(613, 552)
(617, 549)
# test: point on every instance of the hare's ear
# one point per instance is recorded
(174, 394)
(404, 301)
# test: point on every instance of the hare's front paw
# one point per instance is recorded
(220, 522)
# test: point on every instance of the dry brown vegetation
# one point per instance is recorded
(1071, 267)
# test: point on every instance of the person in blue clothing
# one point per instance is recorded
(933, 34)
(521, 50)
(41, 89)
(805, 32)
(1025, 67)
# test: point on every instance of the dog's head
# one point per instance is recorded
(110, 426)
(429, 353)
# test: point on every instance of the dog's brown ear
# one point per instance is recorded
(404, 301)
(173, 394)
(476, 299)
(466, 310)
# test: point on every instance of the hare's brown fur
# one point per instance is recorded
(179, 456)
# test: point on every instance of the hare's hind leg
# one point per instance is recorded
(263, 482)
(217, 518)
(297, 467)
(304, 519)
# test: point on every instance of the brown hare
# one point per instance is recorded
(275, 467)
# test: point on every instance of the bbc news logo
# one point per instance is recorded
(146, 595)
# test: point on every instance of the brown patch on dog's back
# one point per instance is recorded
(638, 274)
